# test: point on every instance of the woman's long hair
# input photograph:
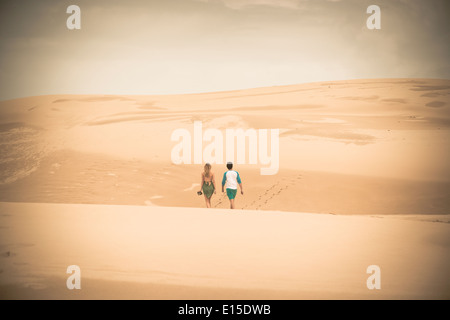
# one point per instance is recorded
(207, 169)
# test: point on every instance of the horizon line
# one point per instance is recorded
(220, 91)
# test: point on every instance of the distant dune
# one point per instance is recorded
(360, 147)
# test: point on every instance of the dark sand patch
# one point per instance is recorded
(335, 134)
(434, 94)
(438, 122)
(8, 254)
(436, 104)
(394, 100)
(429, 88)
(361, 98)
(275, 108)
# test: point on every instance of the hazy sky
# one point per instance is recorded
(179, 46)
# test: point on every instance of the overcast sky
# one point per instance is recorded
(184, 46)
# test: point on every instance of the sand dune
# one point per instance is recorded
(382, 138)
(94, 185)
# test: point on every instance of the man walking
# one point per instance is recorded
(231, 179)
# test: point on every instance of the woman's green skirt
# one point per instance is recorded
(208, 189)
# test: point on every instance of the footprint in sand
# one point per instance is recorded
(279, 186)
(220, 201)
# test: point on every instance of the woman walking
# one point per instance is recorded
(208, 184)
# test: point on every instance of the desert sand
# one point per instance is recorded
(156, 253)
(363, 179)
